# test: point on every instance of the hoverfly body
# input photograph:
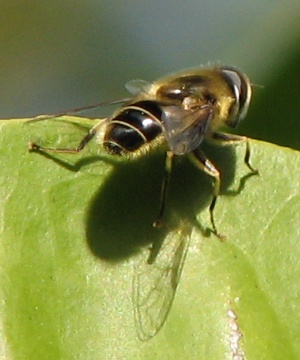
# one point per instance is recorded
(180, 111)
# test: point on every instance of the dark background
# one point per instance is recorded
(58, 55)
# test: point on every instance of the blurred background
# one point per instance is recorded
(57, 55)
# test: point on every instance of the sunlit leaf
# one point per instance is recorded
(74, 229)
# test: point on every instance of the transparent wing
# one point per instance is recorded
(184, 129)
(137, 86)
(155, 284)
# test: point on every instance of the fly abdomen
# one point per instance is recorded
(134, 126)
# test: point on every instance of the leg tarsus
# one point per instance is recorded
(212, 219)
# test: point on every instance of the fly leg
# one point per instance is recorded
(155, 247)
(35, 147)
(230, 139)
(164, 188)
(208, 167)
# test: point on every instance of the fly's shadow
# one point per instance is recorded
(120, 216)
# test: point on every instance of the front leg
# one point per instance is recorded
(230, 139)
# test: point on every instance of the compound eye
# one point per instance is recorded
(235, 82)
(240, 85)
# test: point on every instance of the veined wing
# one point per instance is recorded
(184, 129)
(155, 284)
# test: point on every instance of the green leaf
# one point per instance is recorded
(75, 228)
